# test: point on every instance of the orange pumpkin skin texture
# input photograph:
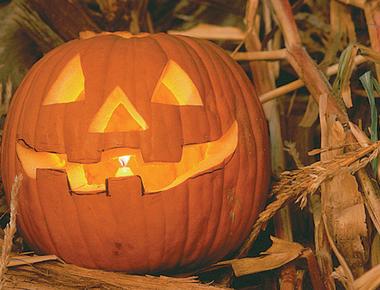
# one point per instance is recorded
(192, 134)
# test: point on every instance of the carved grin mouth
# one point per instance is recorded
(119, 162)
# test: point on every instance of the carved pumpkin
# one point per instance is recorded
(141, 154)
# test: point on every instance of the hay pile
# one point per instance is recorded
(335, 239)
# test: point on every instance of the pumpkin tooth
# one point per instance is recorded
(76, 176)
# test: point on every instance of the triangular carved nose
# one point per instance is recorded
(117, 114)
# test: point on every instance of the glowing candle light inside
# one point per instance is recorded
(124, 170)
(123, 160)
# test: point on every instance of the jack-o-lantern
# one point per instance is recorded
(141, 154)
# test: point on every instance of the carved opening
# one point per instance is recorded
(156, 176)
(69, 86)
(117, 114)
(175, 87)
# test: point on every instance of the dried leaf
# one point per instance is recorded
(27, 260)
(280, 253)
(371, 197)
(347, 219)
(362, 138)
(369, 280)
(341, 86)
(322, 119)
(277, 146)
(340, 275)
(346, 95)
(311, 114)
(340, 195)
(375, 250)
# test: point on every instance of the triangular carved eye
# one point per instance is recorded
(69, 86)
(117, 114)
(175, 87)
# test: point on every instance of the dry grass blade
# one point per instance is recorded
(310, 115)
(260, 55)
(290, 147)
(341, 86)
(371, 198)
(370, 84)
(300, 183)
(55, 275)
(10, 230)
(212, 32)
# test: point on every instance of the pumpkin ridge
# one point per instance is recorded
(191, 51)
(167, 59)
(216, 76)
(83, 238)
(124, 51)
(78, 133)
(258, 148)
(172, 142)
(32, 229)
(241, 148)
(46, 88)
(55, 210)
(188, 51)
(239, 181)
(194, 46)
(210, 60)
(53, 243)
(146, 240)
(207, 248)
(95, 255)
(56, 137)
(187, 220)
(244, 145)
(238, 84)
(164, 239)
(25, 106)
